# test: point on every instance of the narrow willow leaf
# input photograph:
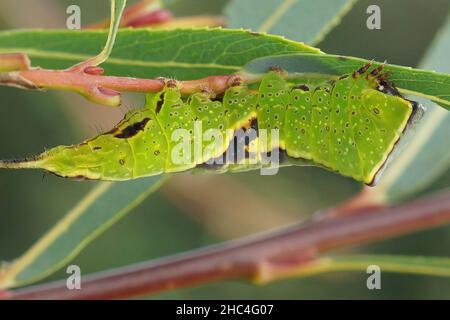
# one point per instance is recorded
(429, 266)
(183, 54)
(424, 83)
(301, 20)
(102, 207)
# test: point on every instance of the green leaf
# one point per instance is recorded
(102, 207)
(301, 20)
(430, 266)
(183, 53)
(428, 84)
(427, 154)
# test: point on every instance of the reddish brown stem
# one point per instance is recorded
(89, 82)
(150, 18)
(5, 295)
(366, 199)
(252, 258)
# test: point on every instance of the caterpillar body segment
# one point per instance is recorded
(349, 125)
(271, 107)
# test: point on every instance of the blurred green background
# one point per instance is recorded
(180, 216)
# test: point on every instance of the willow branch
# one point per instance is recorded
(90, 82)
(260, 259)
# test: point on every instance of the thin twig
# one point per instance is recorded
(260, 258)
(94, 86)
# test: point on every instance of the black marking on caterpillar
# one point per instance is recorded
(133, 129)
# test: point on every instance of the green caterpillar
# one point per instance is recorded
(349, 125)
